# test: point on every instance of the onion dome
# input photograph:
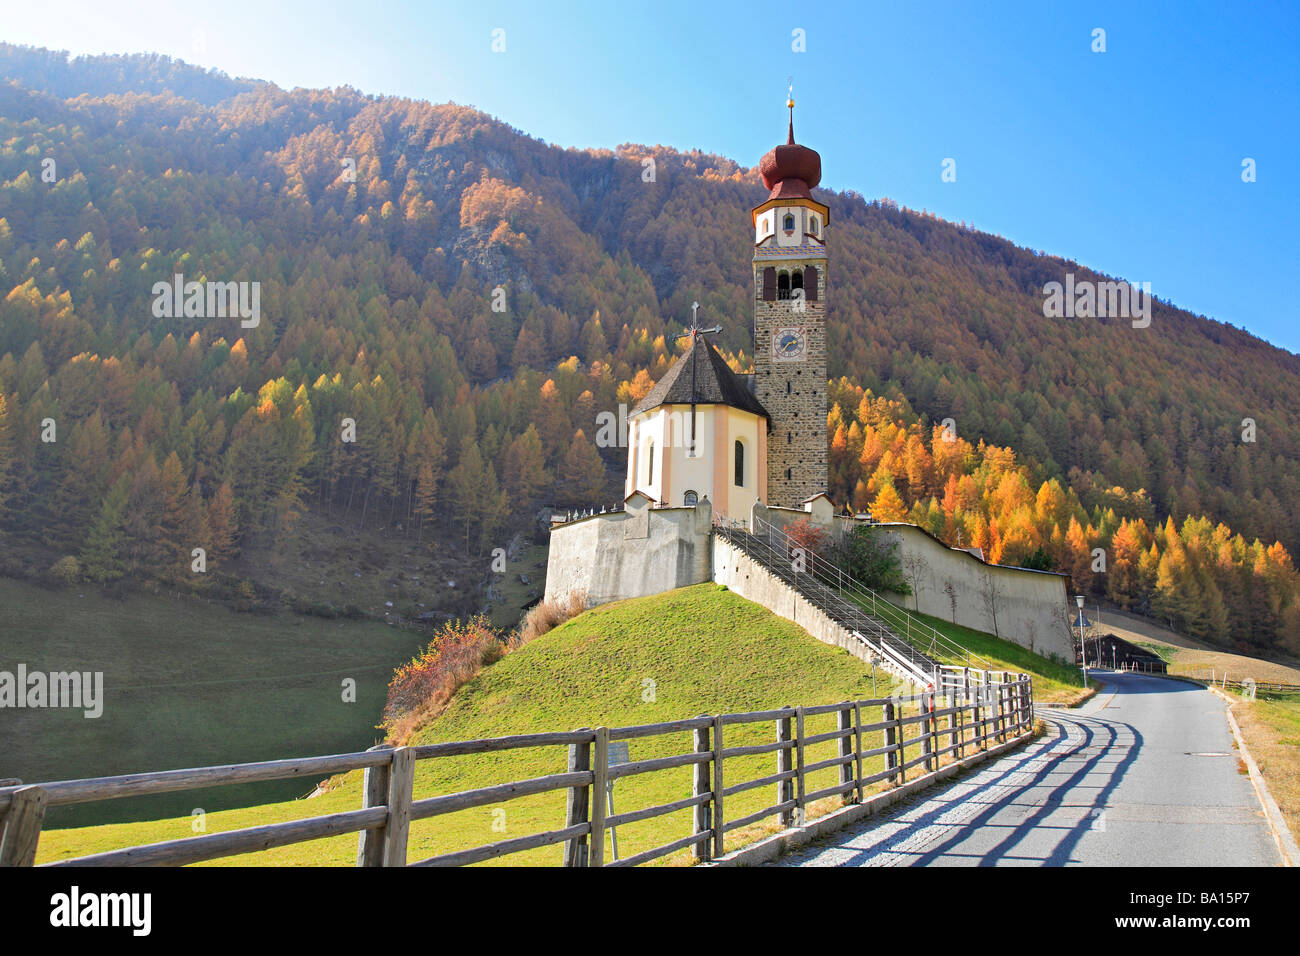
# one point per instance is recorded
(790, 170)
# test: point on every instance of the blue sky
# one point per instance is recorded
(1129, 161)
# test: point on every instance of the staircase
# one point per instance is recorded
(869, 618)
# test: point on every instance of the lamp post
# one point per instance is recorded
(1083, 643)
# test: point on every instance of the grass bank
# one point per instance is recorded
(1271, 726)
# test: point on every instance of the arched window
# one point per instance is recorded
(788, 222)
(812, 225)
(796, 280)
(787, 388)
(691, 499)
(783, 285)
(650, 463)
(740, 464)
(787, 474)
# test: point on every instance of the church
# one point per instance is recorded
(711, 453)
(704, 431)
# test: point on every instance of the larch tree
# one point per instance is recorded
(888, 504)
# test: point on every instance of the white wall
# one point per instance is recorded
(629, 553)
(710, 471)
(1030, 606)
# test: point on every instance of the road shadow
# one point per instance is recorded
(1100, 741)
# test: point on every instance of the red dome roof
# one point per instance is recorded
(791, 161)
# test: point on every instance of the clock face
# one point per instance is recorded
(789, 345)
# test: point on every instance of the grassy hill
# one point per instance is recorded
(695, 650)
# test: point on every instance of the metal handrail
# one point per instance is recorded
(849, 598)
(882, 640)
(914, 631)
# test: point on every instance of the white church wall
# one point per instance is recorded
(630, 553)
(710, 471)
(1029, 605)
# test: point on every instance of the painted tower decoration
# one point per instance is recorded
(790, 321)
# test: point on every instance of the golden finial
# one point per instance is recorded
(790, 101)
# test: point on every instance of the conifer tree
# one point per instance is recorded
(8, 469)
(102, 558)
(222, 526)
(582, 474)
(888, 504)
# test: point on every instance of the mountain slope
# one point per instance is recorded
(378, 305)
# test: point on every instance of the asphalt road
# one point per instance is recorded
(1144, 774)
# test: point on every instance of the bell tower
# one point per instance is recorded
(790, 321)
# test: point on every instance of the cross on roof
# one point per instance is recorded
(695, 323)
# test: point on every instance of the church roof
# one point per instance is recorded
(791, 163)
(701, 377)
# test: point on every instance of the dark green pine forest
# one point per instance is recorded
(472, 298)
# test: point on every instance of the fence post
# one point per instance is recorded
(931, 734)
(857, 740)
(891, 740)
(718, 816)
(967, 702)
(401, 780)
(954, 727)
(702, 819)
(374, 793)
(578, 807)
(843, 721)
(1000, 721)
(800, 814)
(785, 764)
(599, 787)
(23, 826)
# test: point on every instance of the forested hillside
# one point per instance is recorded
(471, 298)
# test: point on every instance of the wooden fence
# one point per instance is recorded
(981, 708)
(1222, 680)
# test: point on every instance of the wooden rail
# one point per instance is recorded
(912, 731)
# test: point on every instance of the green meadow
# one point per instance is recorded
(696, 650)
(186, 684)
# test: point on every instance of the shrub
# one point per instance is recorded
(323, 609)
(67, 570)
(422, 687)
(808, 536)
(547, 615)
(873, 560)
